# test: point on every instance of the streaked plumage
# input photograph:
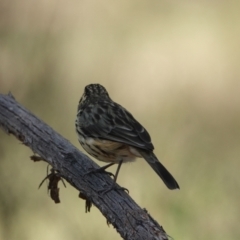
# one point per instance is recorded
(108, 132)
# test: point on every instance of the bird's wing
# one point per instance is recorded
(110, 121)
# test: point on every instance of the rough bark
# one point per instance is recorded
(131, 221)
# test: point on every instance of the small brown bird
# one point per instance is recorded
(110, 133)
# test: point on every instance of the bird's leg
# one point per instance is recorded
(114, 185)
(101, 170)
(118, 169)
(105, 167)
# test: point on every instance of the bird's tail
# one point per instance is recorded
(162, 172)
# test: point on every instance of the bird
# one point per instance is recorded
(110, 133)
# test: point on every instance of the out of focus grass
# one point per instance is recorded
(175, 66)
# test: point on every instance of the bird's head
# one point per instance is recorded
(93, 92)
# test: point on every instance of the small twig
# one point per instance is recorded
(88, 203)
(54, 177)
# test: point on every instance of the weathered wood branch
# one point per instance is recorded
(118, 207)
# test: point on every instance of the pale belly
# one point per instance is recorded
(109, 151)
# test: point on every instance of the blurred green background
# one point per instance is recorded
(174, 64)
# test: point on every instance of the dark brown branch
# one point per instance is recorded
(118, 207)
